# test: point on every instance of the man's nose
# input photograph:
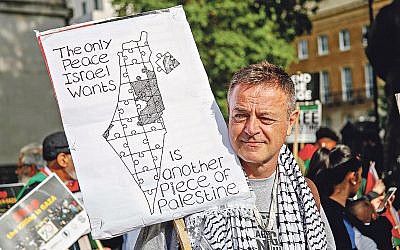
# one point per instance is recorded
(252, 126)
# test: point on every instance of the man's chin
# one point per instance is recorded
(253, 159)
(72, 174)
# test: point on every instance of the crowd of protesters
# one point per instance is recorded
(344, 215)
(350, 201)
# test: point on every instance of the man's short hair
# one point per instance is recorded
(31, 154)
(266, 74)
(55, 144)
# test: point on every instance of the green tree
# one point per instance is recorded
(231, 34)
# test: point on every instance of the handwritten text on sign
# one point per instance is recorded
(190, 183)
(86, 68)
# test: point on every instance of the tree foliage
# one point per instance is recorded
(231, 34)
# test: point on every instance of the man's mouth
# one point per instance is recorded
(253, 143)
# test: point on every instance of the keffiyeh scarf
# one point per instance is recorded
(233, 227)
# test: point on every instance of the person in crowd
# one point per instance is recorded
(361, 213)
(380, 228)
(383, 52)
(261, 101)
(326, 138)
(30, 161)
(320, 161)
(342, 178)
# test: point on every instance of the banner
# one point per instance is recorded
(147, 138)
(8, 195)
(310, 119)
(49, 217)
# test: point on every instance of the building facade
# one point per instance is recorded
(28, 109)
(334, 54)
(88, 10)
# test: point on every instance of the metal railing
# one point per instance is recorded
(353, 96)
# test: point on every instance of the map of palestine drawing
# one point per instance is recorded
(137, 130)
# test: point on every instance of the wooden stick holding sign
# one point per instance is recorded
(99, 245)
(180, 227)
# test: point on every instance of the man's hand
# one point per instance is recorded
(377, 201)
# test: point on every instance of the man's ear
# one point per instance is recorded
(292, 121)
(62, 160)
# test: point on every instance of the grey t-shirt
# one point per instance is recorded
(270, 239)
(263, 189)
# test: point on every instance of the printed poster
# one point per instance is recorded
(147, 138)
(8, 195)
(49, 217)
(310, 119)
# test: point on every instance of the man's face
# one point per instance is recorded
(70, 169)
(326, 143)
(258, 122)
(24, 172)
(63, 166)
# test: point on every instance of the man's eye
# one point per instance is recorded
(267, 120)
(240, 117)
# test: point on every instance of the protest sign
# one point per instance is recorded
(147, 138)
(310, 119)
(8, 195)
(306, 86)
(49, 217)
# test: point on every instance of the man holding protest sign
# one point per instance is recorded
(261, 100)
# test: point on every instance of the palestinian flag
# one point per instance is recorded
(372, 178)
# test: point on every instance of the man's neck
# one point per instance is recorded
(260, 171)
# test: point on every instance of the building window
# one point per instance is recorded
(324, 86)
(96, 4)
(344, 40)
(369, 80)
(84, 8)
(302, 49)
(347, 84)
(364, 35)
(323, 48)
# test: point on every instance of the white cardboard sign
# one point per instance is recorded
(147, 138)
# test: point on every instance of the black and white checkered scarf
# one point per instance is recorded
(233, 227)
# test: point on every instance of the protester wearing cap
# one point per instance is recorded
(30, 160)
(58, 156)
